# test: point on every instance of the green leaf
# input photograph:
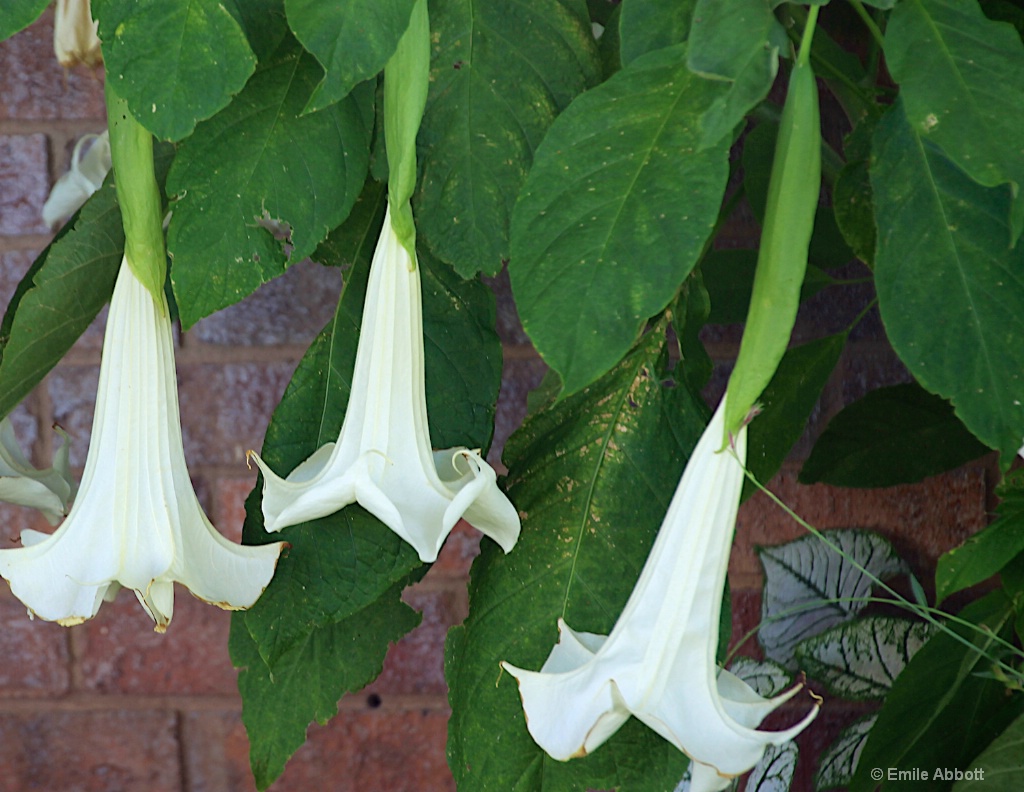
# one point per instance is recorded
(19, 14)
(252, 161)
(940, 712)
(961, 79)
(592, 477)
(352, 40)
(615, 213)
(729, 277)
(998, 768)
(839, 760)
(263, 22)
(648, 25)
(893, 435)
(810, 587)
(787, 404)
(852, 205)
(736, 41)
(69, 285)
(859, 660)
(500, 74)
(306, 683)
(987, 552)
(175, 62)
(951, 292)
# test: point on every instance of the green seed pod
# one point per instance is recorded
(782, 257)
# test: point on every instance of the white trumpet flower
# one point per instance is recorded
(74, 34)
(136, 521)
(84, 178)
(658, 663)
(47, 490)
(382, 458)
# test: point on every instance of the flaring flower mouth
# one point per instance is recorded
(136, 521)
(383, 458)
(658, 663)
(47, 490)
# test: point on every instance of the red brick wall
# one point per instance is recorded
(111, 705)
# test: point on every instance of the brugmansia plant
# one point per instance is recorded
(602, 151)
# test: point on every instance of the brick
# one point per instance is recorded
(415, 664)
(922, 520)
(72, 391)
(458, 552)
(867, 369)
(13, 266)
(89, 752)
(228, 511)
(518, 378)
(225, 409)
(24, 184)
(510, 329)
(34, 657)
(300, 303)
(746, 616)
(120, 653)
(380, 750)
(36, 87)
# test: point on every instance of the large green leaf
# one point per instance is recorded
(860, 659)
(951, 291)
(175, 62)
(500, 74)
(961, 79)
(787, 404)
(592, 478)
(306, 683)
(892, 436)
(987, 552)
(352, 40)
(940, 712)
(615, 213)
(648, 25)
(260, 158)
(998, 768)
(737, 41)
(19, 14)
(811, 586)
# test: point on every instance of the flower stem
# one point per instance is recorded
(406, 79)
(131, 150)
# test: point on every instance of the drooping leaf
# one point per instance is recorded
(860, 659)
(648, 25)
(950, 290)
(787, 404)
(500, 74)
(839, 760)
(175, 62)
(775, 769)
(263, 22)
(307, 681)
(66, 292)
(998, 768)
(852, 205)
(244, 165)
(689, 316)
(19, 14)
(736, 41)
(893, 435)
(615, 213)
(810, 587)
(592, 477)
(352, 40)
(987, 552)
(961, 78)
(940, 712)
